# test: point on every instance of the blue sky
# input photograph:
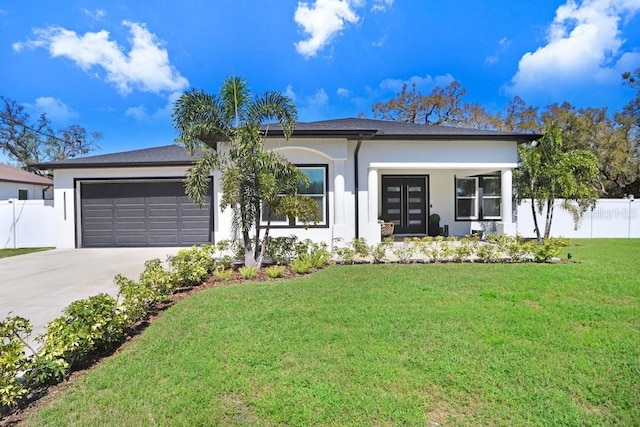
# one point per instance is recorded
(116, 67)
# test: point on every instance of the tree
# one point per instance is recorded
(610, 139)
(547, 173)
(443, 106)
(225, 129)
(27, 142)
(517, 117)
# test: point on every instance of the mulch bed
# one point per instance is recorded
(41, 396)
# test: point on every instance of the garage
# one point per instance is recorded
(141, 213)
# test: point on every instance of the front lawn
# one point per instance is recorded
(4, 253)
(460, 344)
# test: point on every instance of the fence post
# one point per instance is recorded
(13, 222)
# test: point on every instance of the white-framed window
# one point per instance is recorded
(466, 198)
(23, 194)
(478, 197)
(491, 197)
(317, 190)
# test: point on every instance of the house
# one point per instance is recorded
(360, 170)
(16, 183)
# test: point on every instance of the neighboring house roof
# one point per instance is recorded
(351, 128)
(13, 174)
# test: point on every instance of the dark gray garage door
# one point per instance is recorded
(150, 213)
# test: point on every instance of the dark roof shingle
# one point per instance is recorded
(168, 155)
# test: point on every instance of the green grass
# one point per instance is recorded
(453, 344)
(4, 253)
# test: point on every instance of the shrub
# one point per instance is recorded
(13, 360)
(281, 249)
(463, 250)
(379, 251)
(135, 299)
(549, 249)
(347, 253)
(516, 250)
(249, 272)
(405, 251)
(86, 326)
(317, 257)
(190, 266)
(487, 252)
(275, 271)
(300, 266)
(223, 274)
(158, 280)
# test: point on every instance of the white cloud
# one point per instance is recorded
(145, 67)
(381, 5)
(380, 42)
(318, 100)
(343, 92)
(97, 14)
(583, 47)
(494, 58)
(55, 109)
(423, 84)
(162, 114)
(322, 21)
(290, 93)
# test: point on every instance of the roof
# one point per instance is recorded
(350, 128)
(168, 155)
(13, 174)
(384, 129)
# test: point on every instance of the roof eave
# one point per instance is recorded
(112, 165)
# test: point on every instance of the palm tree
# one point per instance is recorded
(225, 129)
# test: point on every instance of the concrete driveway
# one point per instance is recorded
(40, 285)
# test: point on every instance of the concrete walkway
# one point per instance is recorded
(40, 285)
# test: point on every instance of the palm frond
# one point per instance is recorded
(235, 97)
(196, 182)
(274, 106)
(200, 119)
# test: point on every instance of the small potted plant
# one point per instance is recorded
(386, 227)
(434, 225)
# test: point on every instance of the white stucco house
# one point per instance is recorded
(16, 183)
(360, 170)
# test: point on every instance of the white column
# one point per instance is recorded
(338, 193)
(372, 192)
(506, 226)
(507, 194)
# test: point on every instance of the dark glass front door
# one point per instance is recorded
(404, 202)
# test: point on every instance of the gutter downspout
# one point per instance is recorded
(357, 188)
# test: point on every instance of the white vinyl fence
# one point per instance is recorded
(27, 223)
(610, 218)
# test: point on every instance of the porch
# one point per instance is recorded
(437, 199)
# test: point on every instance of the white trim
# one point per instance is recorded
(434, 165)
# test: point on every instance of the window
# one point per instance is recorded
(317, 190)
(23, 194)
(466, 198)
(478, 197)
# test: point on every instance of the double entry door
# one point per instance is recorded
(404, 202)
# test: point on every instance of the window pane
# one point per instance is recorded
(23, 194)
(465, 187)
(491, 207)
(491, 185)
(320, 202)
(316, 181)
(466, 208)
(275, 218)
